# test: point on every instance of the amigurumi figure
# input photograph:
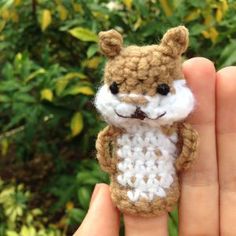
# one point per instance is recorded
(145, 100)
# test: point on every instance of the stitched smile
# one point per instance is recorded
(140, 116)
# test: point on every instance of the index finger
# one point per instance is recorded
(199, 203)
(140, 226)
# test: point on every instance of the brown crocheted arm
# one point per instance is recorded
(105, 146)
(188, 143)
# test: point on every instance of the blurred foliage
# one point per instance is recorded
(14, 200)
(50, 68)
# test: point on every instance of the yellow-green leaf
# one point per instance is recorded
(46, 94)
(84, 34)
(46, 19)
(100, 15)
(27, 231)
(24, 231)
(92, 63)
(2, 25)
(69, 205)
(138, 23)
(208, 19)
(18, 56)
(58, 2)
(86, 90)
(5, 14)
(193, 15)
(128, 3)
(17, 2)
(222, 7)
(225, 5)
(77, 7)
(63, 13)
(32, 231)
(64, 80)
(35, 74)
(76, 124)
(211, 34)
(11, 233)
(166, 7)
(14, 16)
(4, 146)
(219, 14)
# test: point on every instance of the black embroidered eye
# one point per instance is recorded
(114, 88)
(163, 89)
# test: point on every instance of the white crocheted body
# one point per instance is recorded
(146, 159)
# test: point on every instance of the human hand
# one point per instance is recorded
(207, 204)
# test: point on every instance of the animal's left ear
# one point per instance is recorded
(175, 41)
(110, 43)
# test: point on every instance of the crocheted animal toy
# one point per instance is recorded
(145, 100)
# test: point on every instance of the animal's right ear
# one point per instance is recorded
(110, 43)
(175, 41)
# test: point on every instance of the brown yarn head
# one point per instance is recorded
(140, 69)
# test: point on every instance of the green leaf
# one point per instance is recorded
(228, 55)
(84, 197)
(197, 29)
(173, 223)
(24, 97)
(92, 50)
(15, 120)
(77, 215)
(173, 230)
(84, 34)
(9, 86)
(8, 71)
(85, 178)
(81, 176)
(4, 98)
(76, 124)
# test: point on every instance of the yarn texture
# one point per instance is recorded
(145, 100)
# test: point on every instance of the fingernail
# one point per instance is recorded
(95, 193)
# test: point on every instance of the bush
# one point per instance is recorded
(50, 68)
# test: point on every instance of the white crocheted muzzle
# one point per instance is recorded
(159, 110)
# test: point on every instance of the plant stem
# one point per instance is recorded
(34, 5)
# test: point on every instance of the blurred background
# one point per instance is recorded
(50, 68)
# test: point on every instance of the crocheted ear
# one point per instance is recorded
(110, 42)
(175, 41)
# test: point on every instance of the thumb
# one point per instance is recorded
(146, 226)
(102, 217)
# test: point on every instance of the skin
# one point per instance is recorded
(208, 190)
